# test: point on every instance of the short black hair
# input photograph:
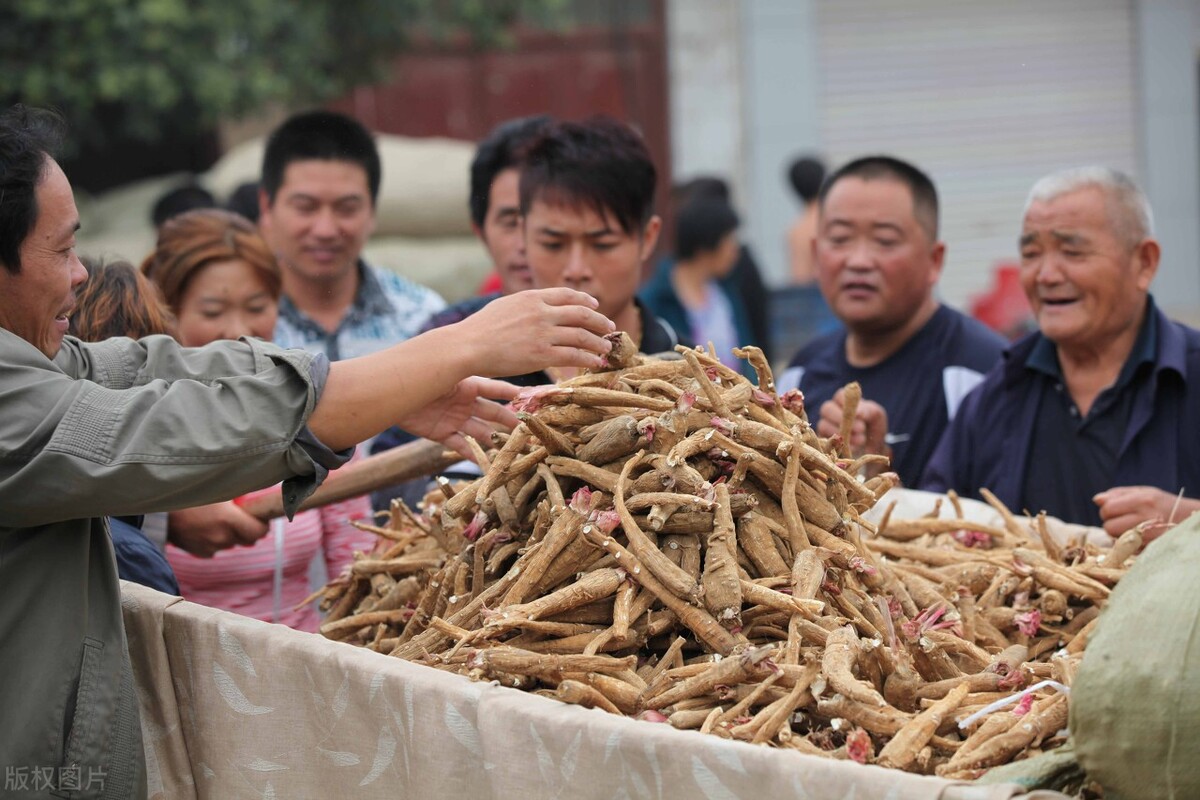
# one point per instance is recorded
(872, 168)
(29, 140)
(244, 200)
(806, 175)
(701, 186)
(600, 163)
(320, 136)
(499, 151)
(180, 199)
(700, 226)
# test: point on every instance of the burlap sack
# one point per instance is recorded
(1135, 702)
(452, 267)
(423, 192)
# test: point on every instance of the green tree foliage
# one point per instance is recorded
(203, 60)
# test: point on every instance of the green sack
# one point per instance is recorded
(1057, 770)
(1135, 702)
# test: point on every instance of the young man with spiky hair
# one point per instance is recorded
(587, 201)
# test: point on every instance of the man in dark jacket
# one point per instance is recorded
(878, 259)
(1095, 418)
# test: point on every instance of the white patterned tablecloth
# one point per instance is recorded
(237, 708)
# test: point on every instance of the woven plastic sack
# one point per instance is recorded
(1135, 702)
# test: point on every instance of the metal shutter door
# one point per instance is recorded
(986, 98)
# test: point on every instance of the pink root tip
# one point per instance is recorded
(764, 399)
(606, 521)
(1029, 622)
(581, 501)
(858, 746)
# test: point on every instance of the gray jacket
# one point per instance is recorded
(117, 428)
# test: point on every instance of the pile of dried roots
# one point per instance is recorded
(667, 540)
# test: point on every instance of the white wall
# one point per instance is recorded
(705, 77)
(780, 84)
(743, 103)
(1168, 43)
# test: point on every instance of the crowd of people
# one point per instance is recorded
(260, 348)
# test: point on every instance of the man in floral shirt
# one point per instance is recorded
(320, 182)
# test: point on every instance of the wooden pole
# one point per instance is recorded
(412, 460)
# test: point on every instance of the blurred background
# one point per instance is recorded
(986, 97)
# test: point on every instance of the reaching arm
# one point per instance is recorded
(422, 384)
(131, 427)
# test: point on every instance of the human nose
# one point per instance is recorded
(577, 270)
(236, 326)
(78, 272)
(324, 224)
(859, 255)
(1047, 270)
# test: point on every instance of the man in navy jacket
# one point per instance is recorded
(1095, 418)
(878, 260)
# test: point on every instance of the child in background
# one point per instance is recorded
(687, 292)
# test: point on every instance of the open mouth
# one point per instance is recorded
(859, 288)
(1058, 302)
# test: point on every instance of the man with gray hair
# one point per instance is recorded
(1095, 418)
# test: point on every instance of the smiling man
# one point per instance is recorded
(127, 427)
(878, 259)
(320, 183)
(1092, 419)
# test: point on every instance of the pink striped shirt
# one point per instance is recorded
(242, 579)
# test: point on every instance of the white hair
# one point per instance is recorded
(1128, 209)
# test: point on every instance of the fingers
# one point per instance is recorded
(459, 445)
(1118, 525)
(246, 529)
(562, 296)
(496, 413)
(826, 428)
(873, 414)
(493, 389)
(1124, 507)
(875, 426)
(478, 429)
(560, 356)
(830, 421)
(585, 318)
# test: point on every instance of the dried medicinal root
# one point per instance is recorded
(666, 540)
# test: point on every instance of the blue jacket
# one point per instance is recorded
(921, 385)
(988, 443)
(659, 296)
(139, 559)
